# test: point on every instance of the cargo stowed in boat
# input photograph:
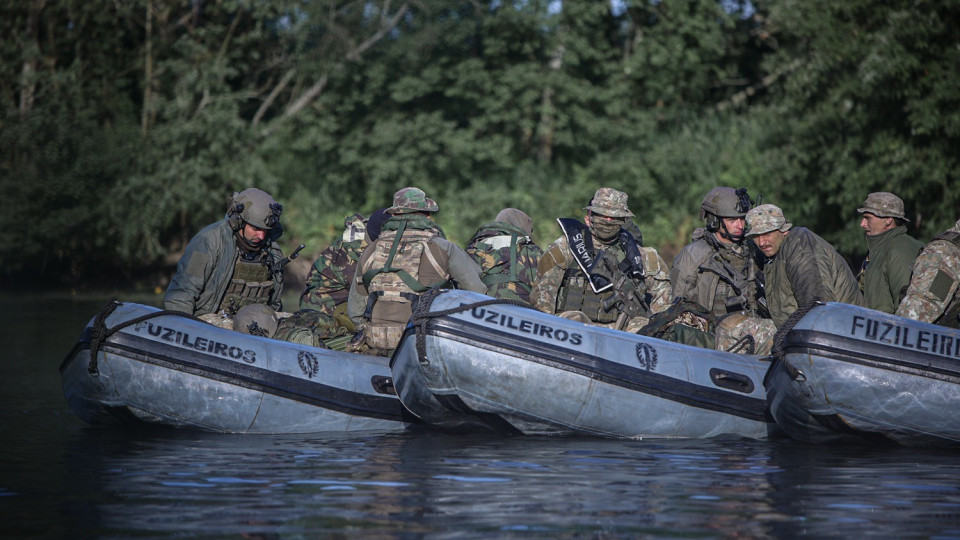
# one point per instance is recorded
(488, 365)
(851, 373)
(163, 368)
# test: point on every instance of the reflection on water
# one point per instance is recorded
(63, 479)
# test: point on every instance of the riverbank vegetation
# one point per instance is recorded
(125, 126)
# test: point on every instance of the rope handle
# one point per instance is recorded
(99, 332)
(422, 315)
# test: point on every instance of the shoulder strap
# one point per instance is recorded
(949, 236)
(581, 246)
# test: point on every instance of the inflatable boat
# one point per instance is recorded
(472, 363)
(846, 373)
(135, 363)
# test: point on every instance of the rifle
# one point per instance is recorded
(628, 299)
(278, 266)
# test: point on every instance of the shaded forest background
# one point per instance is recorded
(125, 125)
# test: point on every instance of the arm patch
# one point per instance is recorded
(940, 287)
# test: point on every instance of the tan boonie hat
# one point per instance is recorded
(411, 199)
(766, 218)
(883, 204)
(609, 202)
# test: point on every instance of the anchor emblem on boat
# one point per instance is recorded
(308, 364)
(647, 356)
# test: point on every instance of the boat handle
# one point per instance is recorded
(731, 381)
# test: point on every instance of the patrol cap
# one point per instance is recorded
(609, 202)
(411, 199)
(766, 218)
(883, 204)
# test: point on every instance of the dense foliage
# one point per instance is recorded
(125, 126)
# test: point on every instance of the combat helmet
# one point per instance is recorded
(257, 208)
(724, 202)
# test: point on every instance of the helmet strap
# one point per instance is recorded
(722, 229)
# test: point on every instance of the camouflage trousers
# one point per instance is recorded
(631, 326)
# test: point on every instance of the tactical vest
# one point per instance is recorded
(252, 283)
(951, 315)
(576, 291)
(736, 288)
(392, 276)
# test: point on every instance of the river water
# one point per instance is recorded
(60, 478)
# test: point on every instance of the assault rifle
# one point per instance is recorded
(628, 299)
(278, 266)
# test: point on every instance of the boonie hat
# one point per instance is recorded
(766, 218)
(609, 202)
(883, 204)
(411, 199)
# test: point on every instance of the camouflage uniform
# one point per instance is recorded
(559, 276)
(410, 256)
(885, 272)
(506, 255)
(805, 268)
(328, 283)
(721, 277)
(932, 294)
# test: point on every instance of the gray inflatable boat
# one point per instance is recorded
(472, 363)
(847, 373)
(134, 363)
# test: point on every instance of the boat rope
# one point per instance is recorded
(422, 315)
(99, 332)
(791, 321)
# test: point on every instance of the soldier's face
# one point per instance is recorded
(873, 225)
(253, 235)
(734, 227)
(769, 242)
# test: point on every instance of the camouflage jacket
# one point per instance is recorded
(932, 294)
(719, 277)
(328, 283)
(205, 270)
(807, 267)
(507, 258)
(558, 258)
(885, 273)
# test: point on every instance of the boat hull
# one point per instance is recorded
(853, 374)
(507, 368)
(177, 371)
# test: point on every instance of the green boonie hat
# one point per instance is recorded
(883, 204)
(609, 202)
(766, 218)
(411, 199)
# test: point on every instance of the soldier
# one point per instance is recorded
(599, 273)
(411, 256)
(932, 294)
(506, 255)
(885, 272)
(718, 271)
(328, 282)
(801, 266)
(231, 263)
